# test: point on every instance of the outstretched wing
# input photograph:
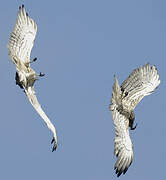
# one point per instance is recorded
(141, 82)
(30, 92)
(22, 38)
(123, 148)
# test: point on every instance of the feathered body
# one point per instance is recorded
(20, 45)
(141, 82)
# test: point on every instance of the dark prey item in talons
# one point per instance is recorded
(54, 144)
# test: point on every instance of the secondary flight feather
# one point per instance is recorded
(141, 82)
(20, 45)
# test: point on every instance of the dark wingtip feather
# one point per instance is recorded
(22, 6)
(119, 173)
(52, 140)
(55, 144)
(54, 147)
(125, 170)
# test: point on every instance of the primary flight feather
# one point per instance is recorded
(141, 82)
(20, 45)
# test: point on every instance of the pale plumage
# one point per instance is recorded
(20, 45)
(141, 82)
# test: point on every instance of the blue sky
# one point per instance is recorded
(80, 45)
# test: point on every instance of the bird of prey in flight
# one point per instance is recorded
(20, 45)
(141, 82)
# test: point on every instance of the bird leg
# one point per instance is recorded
(41, 74)
(131, 121)
(133, 127)
(28, 63)
(33, 60)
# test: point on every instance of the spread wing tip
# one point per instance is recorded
(122, 165)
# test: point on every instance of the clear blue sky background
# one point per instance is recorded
(79, 46)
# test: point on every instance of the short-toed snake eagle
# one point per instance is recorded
(20, 45)
(141, 82)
